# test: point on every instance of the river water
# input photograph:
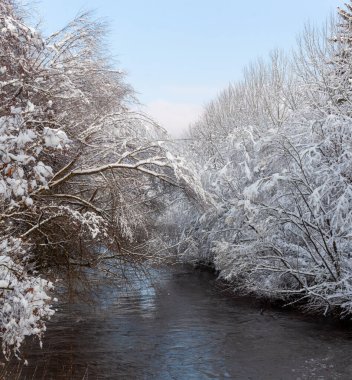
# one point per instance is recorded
(181, 324)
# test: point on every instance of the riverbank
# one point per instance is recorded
(265, 303)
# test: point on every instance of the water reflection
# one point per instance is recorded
(177, 324)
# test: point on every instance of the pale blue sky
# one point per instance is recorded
(179, 54)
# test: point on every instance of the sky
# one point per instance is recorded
(180, 54)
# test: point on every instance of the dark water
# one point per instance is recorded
(178, 324)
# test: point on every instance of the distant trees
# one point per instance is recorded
(341, 60)
(278, 162)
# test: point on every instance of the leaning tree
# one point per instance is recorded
(81, 171)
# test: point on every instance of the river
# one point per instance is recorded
(177, 323)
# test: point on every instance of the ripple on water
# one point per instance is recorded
(175, 324)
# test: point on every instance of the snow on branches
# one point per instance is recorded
(25, 302)
(79, 170)
(277, 158)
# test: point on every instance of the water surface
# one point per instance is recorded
(180, 324)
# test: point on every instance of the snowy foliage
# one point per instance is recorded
(24, 299)
(79, 169)
(275, 152)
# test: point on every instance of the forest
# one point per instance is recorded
(259, 189)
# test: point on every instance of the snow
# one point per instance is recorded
(30, 107)
(25, 137)
(55, 138)
(25, 304)
(4, 284)
(263, 191)
(281, 177)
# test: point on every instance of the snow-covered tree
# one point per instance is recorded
(81, 172)
(277, 160)
(341, 66)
